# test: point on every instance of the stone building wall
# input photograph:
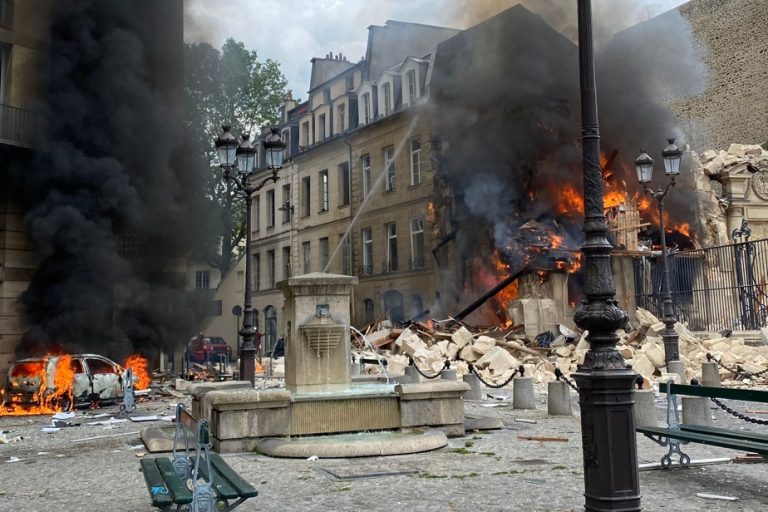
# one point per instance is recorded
(734, 108)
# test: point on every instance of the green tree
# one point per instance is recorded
(231, 87)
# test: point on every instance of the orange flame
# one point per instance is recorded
(49, 398)
(140, 368)
(571, 201)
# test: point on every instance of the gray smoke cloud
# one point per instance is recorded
(112, 199)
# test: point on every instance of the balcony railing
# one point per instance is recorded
(18, 126)
(416, 263)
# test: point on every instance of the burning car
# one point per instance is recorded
(60, 382)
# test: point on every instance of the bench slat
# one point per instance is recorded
(723, 442)
(747, 395)
(178, 487)
(220, 484)
(154, 481)
(245, 489)
(736, 434)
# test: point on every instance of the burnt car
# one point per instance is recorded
(92, 378)
(205, 349)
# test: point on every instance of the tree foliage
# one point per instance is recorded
(231, 87)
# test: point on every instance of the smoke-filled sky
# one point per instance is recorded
(294, 31)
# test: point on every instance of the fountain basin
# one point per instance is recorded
(239, 418)
(363, 444)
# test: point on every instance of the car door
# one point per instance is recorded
(106, 382)
(82, 385)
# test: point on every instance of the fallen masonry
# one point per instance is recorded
(496, 353)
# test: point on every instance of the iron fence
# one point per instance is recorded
(18, 126)
(712, 289)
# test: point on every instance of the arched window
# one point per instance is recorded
(393, 306)
(417, 306)
(270, 329)
(368, 308)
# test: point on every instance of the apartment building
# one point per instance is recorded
(24, 65)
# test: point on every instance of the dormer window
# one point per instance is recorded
(387, 92)
(412, 91)
(366, 108)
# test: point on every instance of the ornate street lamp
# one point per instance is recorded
(243, 157)
(644, 166)
(605, 383)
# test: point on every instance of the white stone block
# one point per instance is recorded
(483, 344)
(461, 337)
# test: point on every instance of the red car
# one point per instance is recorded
(204, 349)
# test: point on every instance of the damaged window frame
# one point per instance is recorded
(415, 161)
(367, 238)
(417, 243)
(389, 169)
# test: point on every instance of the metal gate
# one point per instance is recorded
(712, 289)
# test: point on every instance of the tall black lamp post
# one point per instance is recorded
(605, 383)
(238, 162)
(644, 167)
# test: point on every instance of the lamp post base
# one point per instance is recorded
(608, 437)
(248, 363)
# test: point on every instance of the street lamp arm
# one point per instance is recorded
(660, 194)
(251, 190)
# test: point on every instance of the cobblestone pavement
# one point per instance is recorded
(484, 471)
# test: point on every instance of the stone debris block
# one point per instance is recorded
(643, 365)
(655, 353)
(469, 354)
(656, 329)
(409, 342)
(708, 155)
(497, 360)
(461, 337)
(483, 344)
(645, 318)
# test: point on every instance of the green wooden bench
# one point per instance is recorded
(675, 434)
(202, 481)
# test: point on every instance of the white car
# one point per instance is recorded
(96, 378)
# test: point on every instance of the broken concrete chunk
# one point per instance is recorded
(497, 360)
(461, 337)
(483, 344)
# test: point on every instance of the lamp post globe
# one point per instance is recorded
(275, 149)
(246, 155)
(672, 156)
(226, 148)
(644, 167)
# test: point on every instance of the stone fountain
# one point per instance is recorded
(322, 410)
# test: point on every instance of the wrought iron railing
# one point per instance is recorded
(716, 288)
(19, 126)
(416, 263)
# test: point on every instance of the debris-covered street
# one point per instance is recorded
(89, 467)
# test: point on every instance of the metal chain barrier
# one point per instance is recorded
(446, 366)
(738, 414)
(520, 370)
(560, 376)
(738, 371)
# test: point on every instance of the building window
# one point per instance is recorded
(286, 206)
(203, 279)
(387, 92)
(305, 134)
(305, 250)
(270, 208)
(411, 78)
(417, 306)
(368, 308)
(324, 254)
(415, 162)
(417, 244)
(257, 271)
(344, 183)
(286, 262)
(346, 255)
(271, 268)
(341, 117)
(321, 128)
(285, 136)
(391, 247)
(365, 165)
(256, 212)
(366, 108)
(270, 329)
(350, 81)
(389, 169)
(305, 196)
(324, 190)
(367, 252)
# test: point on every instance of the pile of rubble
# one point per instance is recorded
(496, 354)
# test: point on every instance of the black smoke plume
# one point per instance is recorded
(112, 198)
